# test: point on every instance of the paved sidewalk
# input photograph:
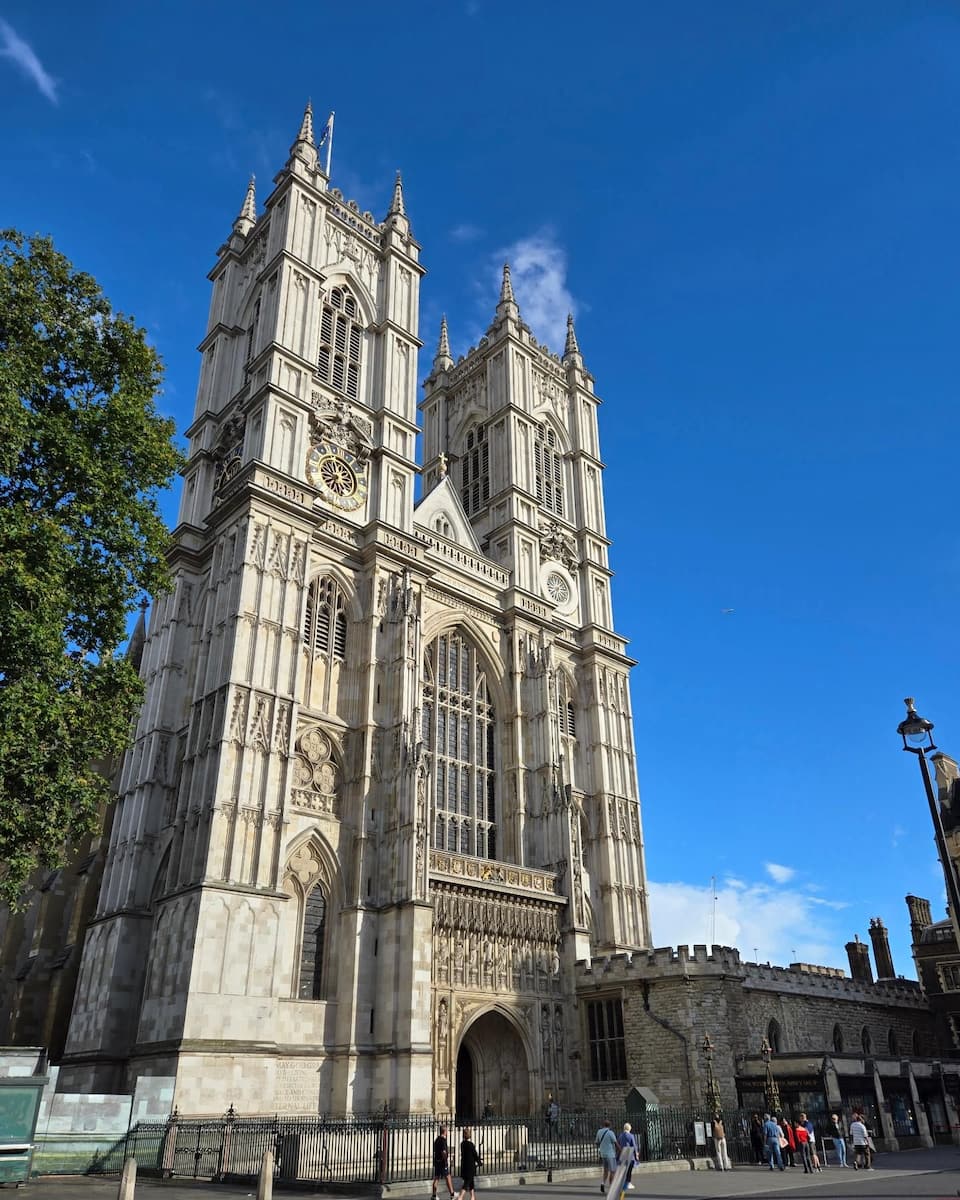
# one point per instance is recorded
(934, 1174)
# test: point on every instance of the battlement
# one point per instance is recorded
(718, 961)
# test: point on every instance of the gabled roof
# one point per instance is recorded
(443, 501)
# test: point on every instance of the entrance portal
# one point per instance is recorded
(492, 1067)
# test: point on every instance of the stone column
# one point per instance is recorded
(920, 1113)
(886, 1122)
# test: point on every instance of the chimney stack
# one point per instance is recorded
(920, 916)
(859, 955)
(881, 949)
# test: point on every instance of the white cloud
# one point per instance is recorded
(465, 232)
(538, 268)
(778, 873)
(18, 51)
(764, 922)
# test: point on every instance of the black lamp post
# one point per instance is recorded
(713, 1091)
(917, 734)
(772, 1090)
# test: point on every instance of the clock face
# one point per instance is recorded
(338, 476)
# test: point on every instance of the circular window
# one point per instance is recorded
(557, 588)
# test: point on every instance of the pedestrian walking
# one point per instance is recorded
(628, 1154)
(839, 1141)
(803, 1142)
(441, 1161)
(608, 1148)
(469, 1162)
(861, 1143)
(720, 1143)
(771, 1140)
(790, 1149)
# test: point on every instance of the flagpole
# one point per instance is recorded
(329, 142)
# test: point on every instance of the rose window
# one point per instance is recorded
(557, 588)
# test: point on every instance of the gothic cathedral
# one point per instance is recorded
(382, 794)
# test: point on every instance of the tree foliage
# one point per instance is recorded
(83, 453)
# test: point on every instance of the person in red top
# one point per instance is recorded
(790, 1149)
(803, 1141)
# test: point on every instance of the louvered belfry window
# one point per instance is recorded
(325, 621)
(475, 469)
(341, 342)
(548, 470)
(459, 730)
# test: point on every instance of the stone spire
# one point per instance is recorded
(247, 217)
(304, 147)
(572, 346)
(506, 287)
(442, 360)
(507, 306)
(397, 208)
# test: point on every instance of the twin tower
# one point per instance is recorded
(382, 794)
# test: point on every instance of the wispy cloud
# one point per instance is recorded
(538, 267)
(779, 873)
(764, 922)
(23, 54)
(465, 232)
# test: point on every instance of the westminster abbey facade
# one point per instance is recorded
(382, 795)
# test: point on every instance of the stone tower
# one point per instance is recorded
(382, 793)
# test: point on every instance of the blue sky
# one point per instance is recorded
(750, 207)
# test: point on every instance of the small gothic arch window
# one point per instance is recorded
(915, 1042)
(341, 342)
(325, 620)
(442, 526)
(774, 1036)
(893, 1046)
(311, 946)
(866, 1041)
(548, 470)
(837, 1040)
(475, 471)
(566, 710)
(252, 332)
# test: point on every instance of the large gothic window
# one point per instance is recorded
(341, 342)
(325, 622)
(548, 470)
(459, 727)
(475, 467)
(311, 949)
(566, 710)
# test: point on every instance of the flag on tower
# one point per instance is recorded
(327, 130)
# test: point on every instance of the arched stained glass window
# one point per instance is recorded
(311, 949)
(475, 471)
(459, 726)
(548, 470)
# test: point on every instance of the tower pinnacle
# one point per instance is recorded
(397, 208)
(442, 360)
(304, 147)
(247, 217)
(506, 287)
(571, 349)
(507, 305)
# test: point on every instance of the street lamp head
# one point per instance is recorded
(707, 1045)
(915, 730)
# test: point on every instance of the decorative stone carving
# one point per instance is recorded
(338, 423)
(557, 544)
(315, 774)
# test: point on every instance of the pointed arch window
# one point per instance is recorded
(866, 1041)
(774, 1037)
(341, 342)
(252, 333)
(459, 729)
(548, 470)
(311, 945)
(475, 471)
(325, 620)
(837, 1040)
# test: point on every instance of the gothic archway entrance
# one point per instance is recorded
(492, 1066)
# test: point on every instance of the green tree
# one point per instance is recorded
(83, 454)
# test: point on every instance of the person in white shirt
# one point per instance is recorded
(861, 1143)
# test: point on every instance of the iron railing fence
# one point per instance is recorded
(388, 1148)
